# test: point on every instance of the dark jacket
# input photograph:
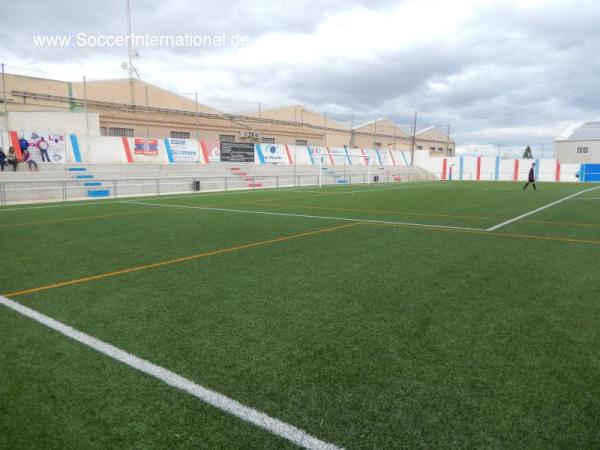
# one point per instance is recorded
(531, 175)
(2, 156)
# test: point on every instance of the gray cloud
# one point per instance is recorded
(510, 75)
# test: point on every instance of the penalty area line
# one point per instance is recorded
(549, 205)
(307, 216)
(213, 398)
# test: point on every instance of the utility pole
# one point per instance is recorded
(259, 121)
(85, 106)
(196, 117)
(414, 137)
(5, 103)
(147, 124)
(130, 53)
(325, 129)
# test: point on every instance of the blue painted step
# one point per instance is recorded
(83, 177)
(92, 183)
(98, 193)
(77, 169)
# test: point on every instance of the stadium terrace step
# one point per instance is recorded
(98, 193)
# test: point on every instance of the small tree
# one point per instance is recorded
(527, 154)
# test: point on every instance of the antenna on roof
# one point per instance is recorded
(130, 55)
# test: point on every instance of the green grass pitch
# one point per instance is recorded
(411, 327)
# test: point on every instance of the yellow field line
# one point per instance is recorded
(497, 234)
(73, 219)
(178, 260)
(455, 216)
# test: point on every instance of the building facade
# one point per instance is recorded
(579, 144)
(136, 108)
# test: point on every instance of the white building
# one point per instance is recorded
(579, 144)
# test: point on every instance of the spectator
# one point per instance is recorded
(11, 158)
(2, 159)
(23, 144)
(29, 160)
(43, 146)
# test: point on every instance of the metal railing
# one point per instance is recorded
(34, 191)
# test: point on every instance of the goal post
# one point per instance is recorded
(323, 161)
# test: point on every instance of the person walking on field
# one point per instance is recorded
(43, 146)
(531, 178)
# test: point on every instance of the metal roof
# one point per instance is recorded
(585, 132)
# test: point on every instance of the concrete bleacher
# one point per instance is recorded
(70, 181)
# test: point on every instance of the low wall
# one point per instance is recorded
(493, 168)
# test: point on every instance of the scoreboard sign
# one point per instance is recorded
(237, 152)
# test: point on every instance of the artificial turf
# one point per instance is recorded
(377, 335)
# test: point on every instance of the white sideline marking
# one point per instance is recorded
(588, 198)
(345, 219)
(220, 401)
(412, 186)
(495, 227)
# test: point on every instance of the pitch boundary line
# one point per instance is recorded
(213, 398)
(514, 219)
(308, 216)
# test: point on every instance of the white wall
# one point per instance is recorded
(62, 122)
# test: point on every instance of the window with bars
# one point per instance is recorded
(582, 150)
(301, 142)
(180, 134)
(128, 132)
(226, 138)
(268, 140)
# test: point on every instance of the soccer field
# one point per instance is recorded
(414, 315)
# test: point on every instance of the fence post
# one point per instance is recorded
(115, 187)
(158, 186)
(64, 191)
(277, 180)
(2, 200)
(225, 178)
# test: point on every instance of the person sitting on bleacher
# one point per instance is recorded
(11, 158)
(29, 159)
(2, 159)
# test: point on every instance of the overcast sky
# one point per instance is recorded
(503, 73)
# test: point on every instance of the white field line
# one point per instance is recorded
(514, 219)
(587, 198)
(424, 184)
(219, 401)
(344, 219)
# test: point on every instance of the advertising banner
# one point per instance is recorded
(272, 154)
(146, 147)
(183, 150)
(56, 145)
(237, 152)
